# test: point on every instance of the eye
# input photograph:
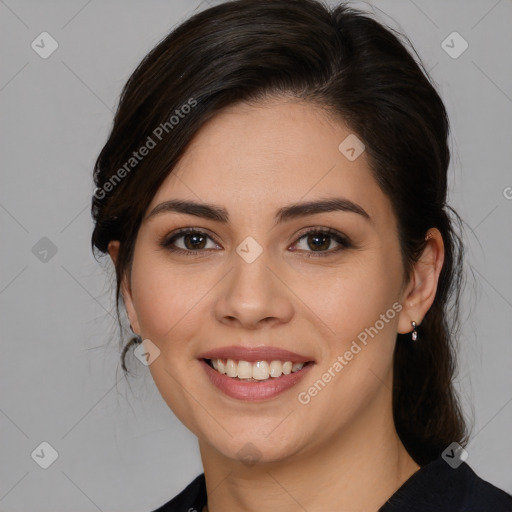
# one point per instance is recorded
(320, 239)
(194, 241)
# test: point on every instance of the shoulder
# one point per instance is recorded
(191, 499)
(437, 487)
(483, 495)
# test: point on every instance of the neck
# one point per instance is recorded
(358, 468)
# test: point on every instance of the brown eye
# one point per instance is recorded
(317, 242)
(194, 241)
(320, 240)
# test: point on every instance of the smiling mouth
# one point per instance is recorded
(257, 371)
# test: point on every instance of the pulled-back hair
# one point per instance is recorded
(359, 71)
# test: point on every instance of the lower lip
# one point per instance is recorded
(261, 390)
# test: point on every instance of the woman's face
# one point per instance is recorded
(258, 280)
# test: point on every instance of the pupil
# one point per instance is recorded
(195, 237)
(319, 245)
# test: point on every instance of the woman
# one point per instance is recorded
(273, 196)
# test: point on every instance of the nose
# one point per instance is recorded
(254, 294)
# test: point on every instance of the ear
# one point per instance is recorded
(125, 288)
(420, 293)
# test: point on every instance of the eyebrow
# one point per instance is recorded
(293, 211)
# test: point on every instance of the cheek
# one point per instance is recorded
(171, 301)
(161, 295)
(167, 303)
(350, 297)
(358, 312)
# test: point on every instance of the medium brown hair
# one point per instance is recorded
(359, 71)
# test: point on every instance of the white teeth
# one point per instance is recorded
(244, 370)
(260, 370)
(231, 368)
(287, 368)
(276, 368)
(296, 367)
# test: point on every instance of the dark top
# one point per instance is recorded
(435, 487)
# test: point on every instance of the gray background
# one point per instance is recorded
(119, 446)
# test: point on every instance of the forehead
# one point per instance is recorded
(262, 156)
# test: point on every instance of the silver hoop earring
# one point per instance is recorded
(414, 332)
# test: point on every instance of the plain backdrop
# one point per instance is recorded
(119, 446)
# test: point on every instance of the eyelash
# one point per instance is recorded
(167, 241)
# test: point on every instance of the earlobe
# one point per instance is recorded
(420, 294)
(128, 304)
(113, 250)
(125, 289)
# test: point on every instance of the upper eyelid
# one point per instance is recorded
(187, 231)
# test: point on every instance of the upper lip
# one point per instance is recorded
(253, 354)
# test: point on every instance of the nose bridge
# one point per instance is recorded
(252, 291)
(251, 275)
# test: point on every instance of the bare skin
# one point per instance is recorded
(340, 450)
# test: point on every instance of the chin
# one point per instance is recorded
(252, 448)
